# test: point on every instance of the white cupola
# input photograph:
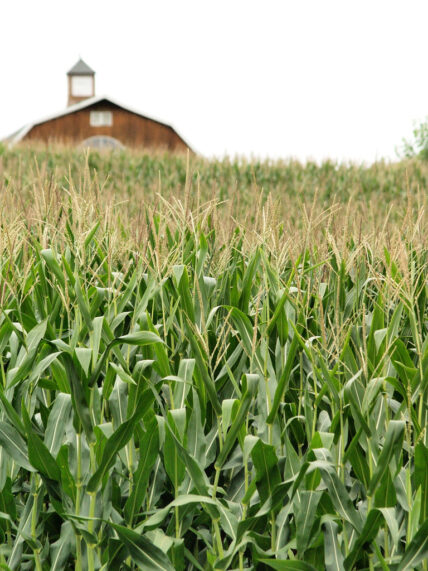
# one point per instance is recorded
(81, 82)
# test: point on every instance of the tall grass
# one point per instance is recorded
(197, 381)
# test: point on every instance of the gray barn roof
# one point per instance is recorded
(81, 68)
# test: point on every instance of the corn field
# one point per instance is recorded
(212, 379)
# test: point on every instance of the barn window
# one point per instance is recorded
(101, 119)
(102, 142)
(82, 85)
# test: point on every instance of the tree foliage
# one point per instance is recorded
(417, 146)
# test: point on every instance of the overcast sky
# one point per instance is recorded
(310, 79)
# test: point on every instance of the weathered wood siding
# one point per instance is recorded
(129, 128)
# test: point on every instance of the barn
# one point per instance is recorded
(99, 121)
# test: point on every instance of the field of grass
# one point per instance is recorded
(212, 365)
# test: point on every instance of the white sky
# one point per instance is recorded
(343, 79)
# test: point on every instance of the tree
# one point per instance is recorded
(418, 145)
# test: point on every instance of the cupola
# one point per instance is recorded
(81, 82)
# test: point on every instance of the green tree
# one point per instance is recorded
(417, 146)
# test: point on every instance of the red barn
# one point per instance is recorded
(98, 121)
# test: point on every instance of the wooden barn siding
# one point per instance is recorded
(129, 128)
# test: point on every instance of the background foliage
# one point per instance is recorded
(417, 146)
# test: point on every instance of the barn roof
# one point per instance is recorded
(81, 68)
(20, 134)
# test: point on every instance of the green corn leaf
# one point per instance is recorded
(115, 555)
(67, 480)
(417, 550)
(130, 281)
(181, 389)
(118, 440)
(385, 495)
(91, 234)
(57, 422)
(402, 361)
(96, 336)
(421, 477)
(84, 358)
(42, 459)
(182, 501)
(246, 332)
(207, 380)
(354, 391)
(38, 455)
(14, 417)
(139, 338)
(33, 340)
(61, 549)
(284, 380)
(368, 534)
(338, 493)
(333, 556)
(358, 461)
(267, 471)
(146, 555)
(392, 445)
(123, 375)
(279, 315)
(82, 303)
(42, 365)
(305, 509)
(174, 466)
(287, 565)
(252, 382)
(182, 278)
(149, 448)
(389, 515)
(15, 446)
(78, 396)
(247, 281)
(7, 502)
(414, 515)
(59, 376)
(196, 439)
(52, 263)
(24, 531)
(195, 471)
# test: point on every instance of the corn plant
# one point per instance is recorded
(201, 402)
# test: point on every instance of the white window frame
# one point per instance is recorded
(101, 119)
